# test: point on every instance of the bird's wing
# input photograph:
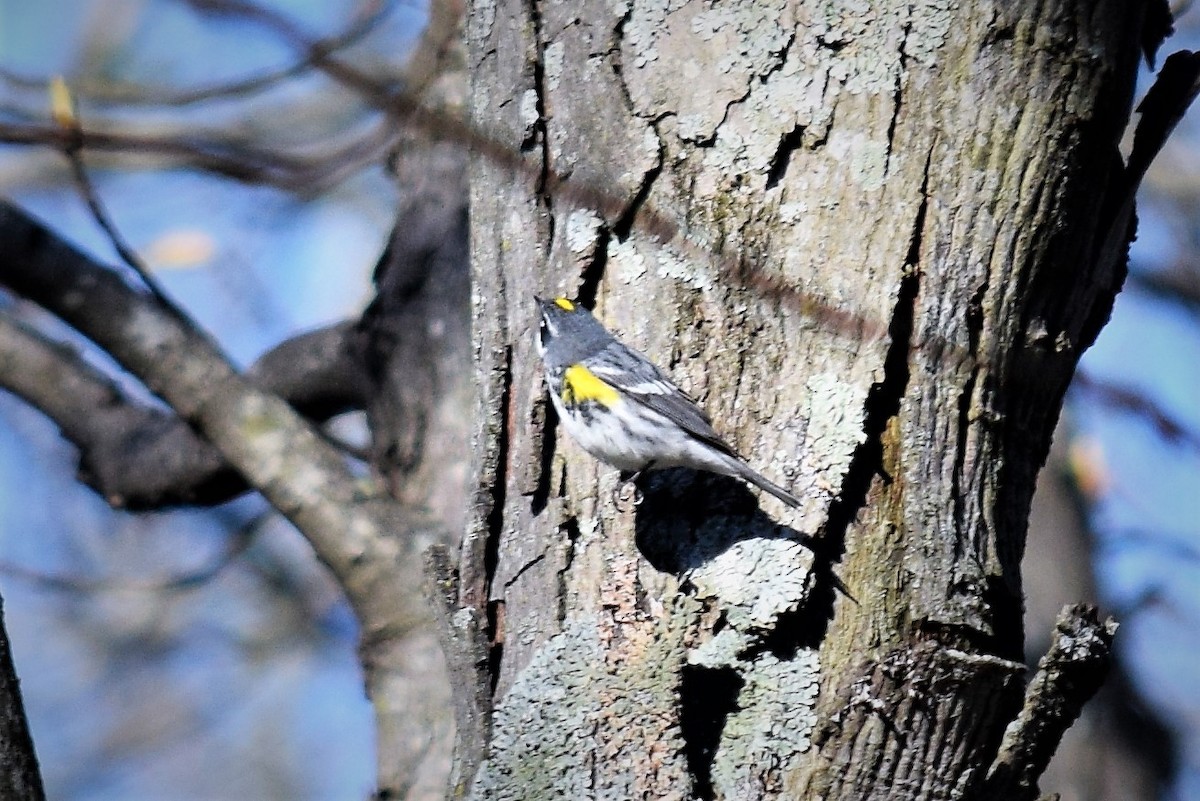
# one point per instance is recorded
(640, 380)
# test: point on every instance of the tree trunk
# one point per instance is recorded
(866, 237)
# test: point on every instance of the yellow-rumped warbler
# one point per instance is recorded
(622, 409)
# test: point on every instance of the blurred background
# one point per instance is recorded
(205, 654)
(193, 654)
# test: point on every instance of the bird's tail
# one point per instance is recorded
(748, 473)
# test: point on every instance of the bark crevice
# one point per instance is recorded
(885, 396)
(707, 696)
(788, 144)
(494, 630)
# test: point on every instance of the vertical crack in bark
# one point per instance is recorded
(618, 64)
(547, 182)
(547, 443)
(707, 696)
(884, 398)
(897, 98)
(495, 641)
(569, 527)
(624, 224)
(589, 281)
(495, 521)
(960, 458)
(621, 228)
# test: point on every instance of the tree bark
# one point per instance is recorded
(20, 778)
(869, 239)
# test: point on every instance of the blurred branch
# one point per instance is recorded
(133, 454)
(239, 161)
(317, 372)
(441, 37)
(367, 541)
(315, 52)
(246, 162)
(1177, 285)
(138, 456)
(1128, 400)
(237, 544)
(365, 19)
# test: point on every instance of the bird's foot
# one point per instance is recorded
(626, 495)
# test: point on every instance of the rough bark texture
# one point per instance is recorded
(891, 214)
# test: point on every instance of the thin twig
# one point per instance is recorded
(373, 91)
(67, 116)
(365, 20)
(238, 543)
(237, 161)
(91, 197)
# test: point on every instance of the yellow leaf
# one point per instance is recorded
(181, 249)
(1088, 467)
(62, 105)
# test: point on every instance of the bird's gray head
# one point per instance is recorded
(568, 333)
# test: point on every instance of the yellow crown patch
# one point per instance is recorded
(564, 304)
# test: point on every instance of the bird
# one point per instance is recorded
(622, 409)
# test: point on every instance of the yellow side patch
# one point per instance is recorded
(564, 304)
(581, 385)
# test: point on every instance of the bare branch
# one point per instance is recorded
(1068, 676)
(356, 531)
(138, 456)
(1178, 285)
(133, 454)
(368, 87)
(237, 160)
(317, 372)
